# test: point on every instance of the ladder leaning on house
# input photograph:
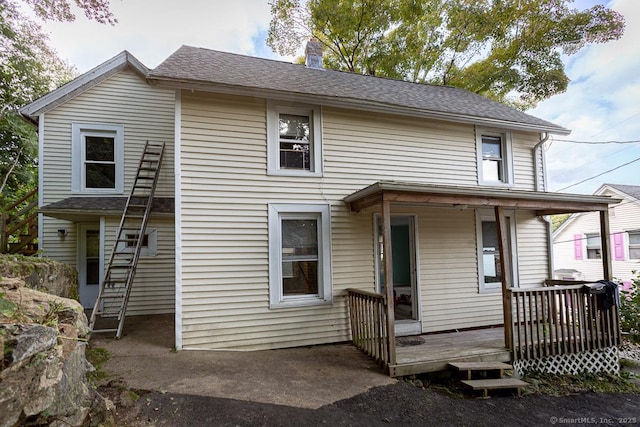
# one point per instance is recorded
(115, 288)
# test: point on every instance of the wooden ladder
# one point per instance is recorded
(115, 288)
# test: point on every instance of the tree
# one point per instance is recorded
(29, 68)
(507, 50)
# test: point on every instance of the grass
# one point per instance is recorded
(541, 384)
(97, 356)
(563, 385)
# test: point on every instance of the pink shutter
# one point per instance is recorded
(618, 246)
(577, 246)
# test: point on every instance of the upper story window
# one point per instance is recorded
(495, 161)
(593, 246)
(97, 158)
(294, 139)
(634, 244)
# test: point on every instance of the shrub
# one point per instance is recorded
(630, 309)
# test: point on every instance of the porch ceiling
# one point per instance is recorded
(416, 193)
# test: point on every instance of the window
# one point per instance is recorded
(593, 246)
(299, 255)
(489, 262)
(634, 244)
(494, 158)
(98, 158)
(149, 242)
(294, 140)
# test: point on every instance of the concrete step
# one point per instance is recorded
(495, 384)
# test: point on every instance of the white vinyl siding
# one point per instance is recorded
(145, 113)
(225, 247)
(624, 218)
(153, 290)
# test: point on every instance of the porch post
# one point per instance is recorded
(605, 245)
(388, 278)
(506, 270)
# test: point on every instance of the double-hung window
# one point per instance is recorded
(494, 157)
(634, 244)
(98, 158)
(294, 139)
(299, 254)
(593, 246)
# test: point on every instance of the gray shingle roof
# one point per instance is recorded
(112, 205)
(209, 67)
(631, 190)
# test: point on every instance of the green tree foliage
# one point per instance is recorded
(496, 48)
(29, 68)
(558, 220)
(630, 309)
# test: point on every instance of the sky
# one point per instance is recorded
(602, 102)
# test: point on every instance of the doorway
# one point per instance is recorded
(405, 287)
(89, 263)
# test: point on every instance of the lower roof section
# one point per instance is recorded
(542, 203)
(82, 208)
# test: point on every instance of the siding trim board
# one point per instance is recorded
(178, 218)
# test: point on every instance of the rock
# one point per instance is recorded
(42, 274)
(39, 307)
(25, 340)
(43, 371)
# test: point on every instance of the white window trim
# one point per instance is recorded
(277, 211)
(586, 247)
(150, 250)
(77, 166)
(628, 245)
(274, 109)
(507, 164)
(485, 215)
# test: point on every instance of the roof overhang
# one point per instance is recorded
(439, 195)
(88, 208)
(343, 102)
(124, 60)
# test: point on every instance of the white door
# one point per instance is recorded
(89, 263)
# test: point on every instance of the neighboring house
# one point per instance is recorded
(275, 190)
(576, 243)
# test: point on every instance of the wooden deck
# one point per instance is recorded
(430, 353)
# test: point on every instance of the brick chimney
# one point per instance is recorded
(313, 54)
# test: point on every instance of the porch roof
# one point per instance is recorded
(80, 208)
(542, 203)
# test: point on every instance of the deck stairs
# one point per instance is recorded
(485, 376)
(111, 304)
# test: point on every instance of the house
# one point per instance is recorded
(283, 188)
(576, 243)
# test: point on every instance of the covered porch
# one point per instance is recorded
(550, 319)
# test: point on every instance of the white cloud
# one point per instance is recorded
(152, 30)
(600, 104)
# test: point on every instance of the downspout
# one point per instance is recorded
(540, 181)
